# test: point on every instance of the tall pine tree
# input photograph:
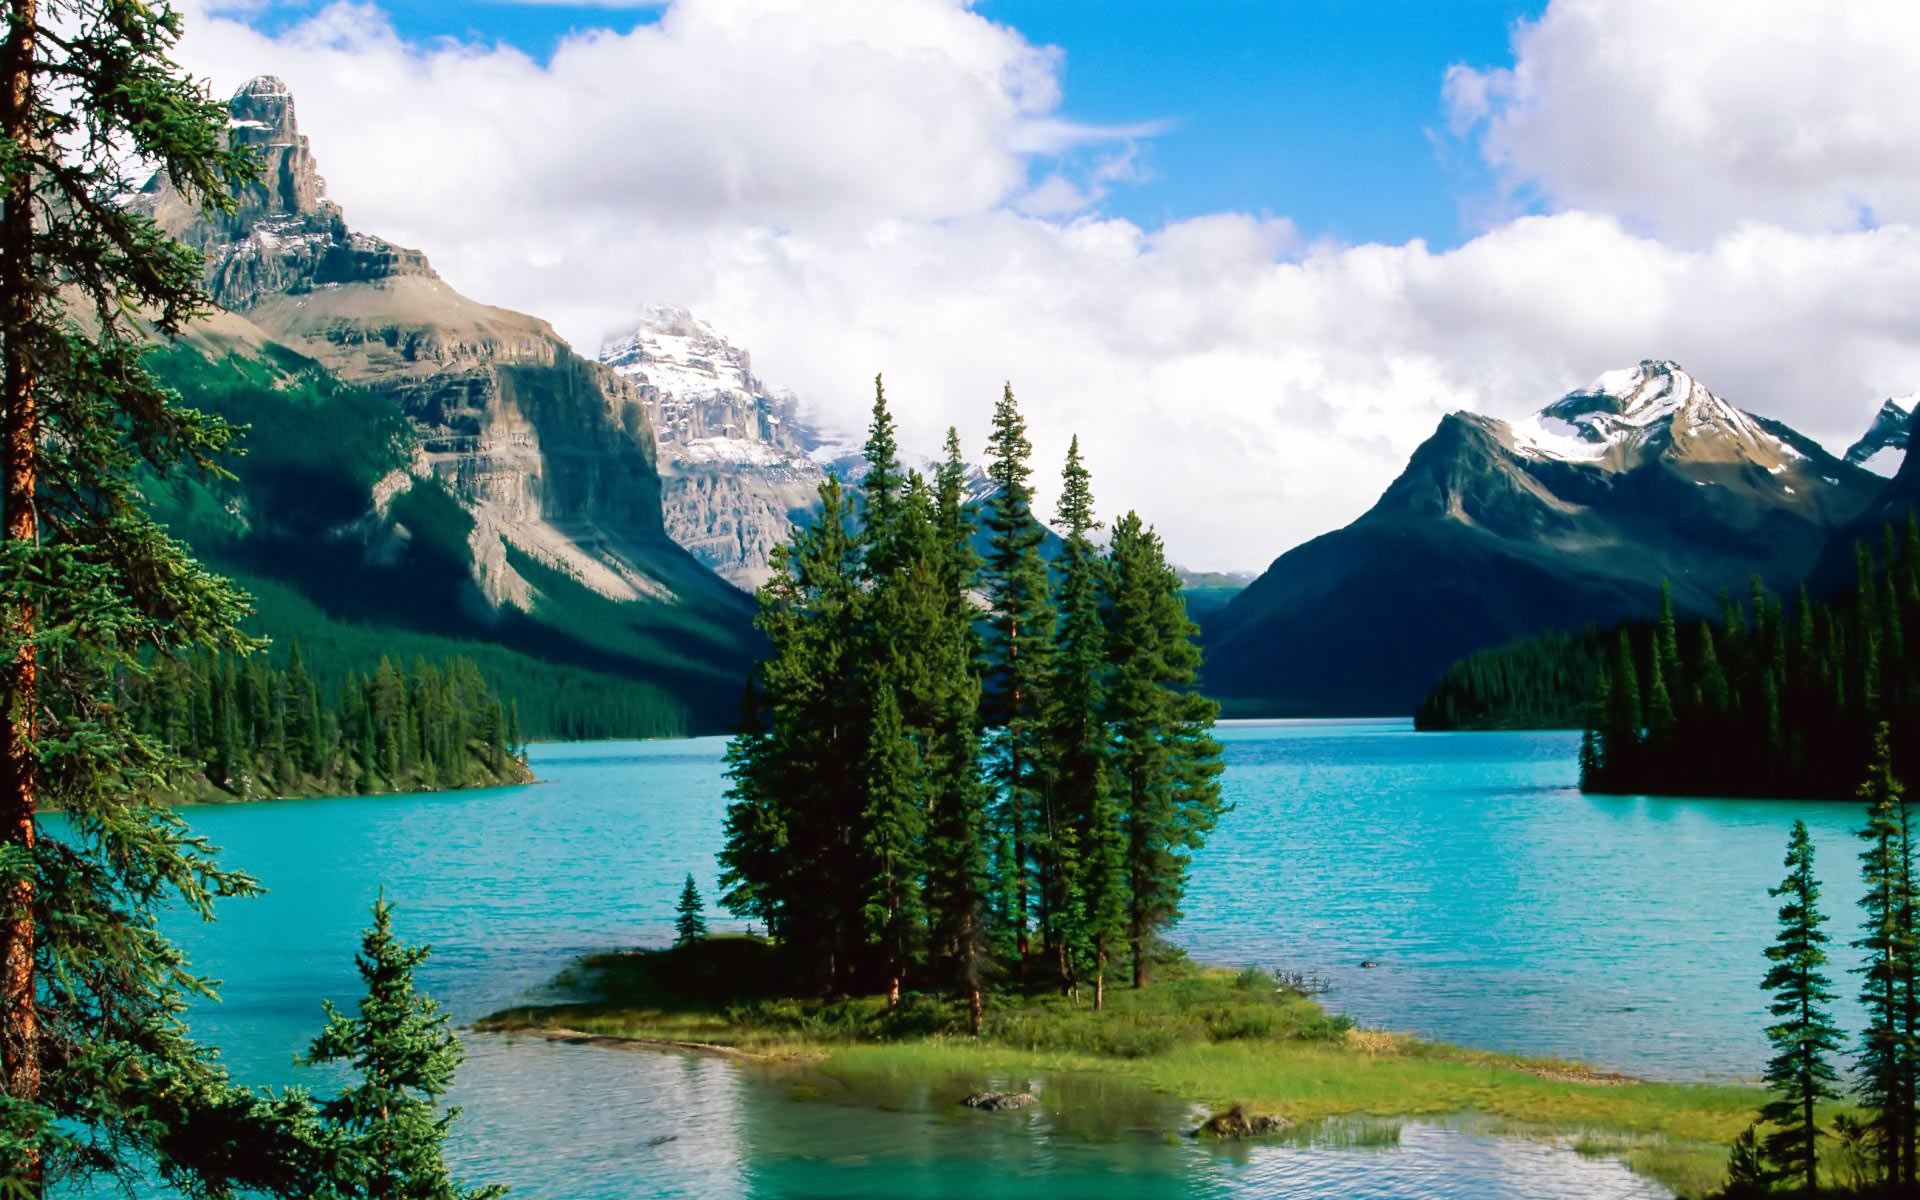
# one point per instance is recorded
(1885, 1060)
(1019, 635)
(1166, 762)
(1803, 1036)
(96, 1069)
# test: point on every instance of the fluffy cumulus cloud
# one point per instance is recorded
(1691, 117)
(847, 186)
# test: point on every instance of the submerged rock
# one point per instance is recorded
(995, 1101)
(1236, 1123)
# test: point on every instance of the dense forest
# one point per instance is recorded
(248, 729)
(953, 770)
(1772, 699)
(1540, 682)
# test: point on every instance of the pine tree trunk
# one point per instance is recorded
(19, 429)
(1100, 979)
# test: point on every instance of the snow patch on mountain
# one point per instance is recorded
(1884, 446)
(1655, 404)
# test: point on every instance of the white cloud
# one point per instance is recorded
(1691, 116)
(872, 185)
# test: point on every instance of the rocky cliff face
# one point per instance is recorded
(1571, 517)
(551, 452)
(735, 460)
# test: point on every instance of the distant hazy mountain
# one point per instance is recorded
(1495, 531)
(527, 468)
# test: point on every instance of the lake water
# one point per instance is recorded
(1504, 910)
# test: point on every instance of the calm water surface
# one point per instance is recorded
(1503, 909)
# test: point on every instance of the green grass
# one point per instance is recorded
(1216, 1037)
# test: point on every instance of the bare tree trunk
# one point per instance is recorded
(19, 430)
(1100, 977)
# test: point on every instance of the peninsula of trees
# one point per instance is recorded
(249, 730)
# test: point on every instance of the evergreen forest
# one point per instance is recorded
(1772, 699)
(248, 729)
(955, 772)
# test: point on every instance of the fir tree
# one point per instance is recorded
(1167, 764)
(1804, 1037)
(388, 1127)
(1886, 1059)
(957, 884)
(1019, 632)
(891, 829)
(689, 923)
(96, 1069)
(1088, 885)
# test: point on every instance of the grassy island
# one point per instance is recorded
(1218, 1037)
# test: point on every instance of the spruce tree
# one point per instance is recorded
(791, 857)
(1166, 762)
(1885, 1059)
(957, 884)
(689, 923)
(97, 1072)
(1088, 885)
(891, 830)
(1019, 634)
(1804, 1037)
(387, 1127)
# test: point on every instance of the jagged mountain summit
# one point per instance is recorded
(735, 459)
(1884, 446)
(1494, 531)
(740, 464)
(533, 465)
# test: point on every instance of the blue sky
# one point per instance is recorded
(1327, 112)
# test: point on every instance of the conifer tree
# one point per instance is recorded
(891, 829)
(387, 1126)
(796, 768)
(1885, 1059)
(1804, 1037)
(689, 922)
(1019, 634)
(1088, 886)
(956, 855)
(1166, 763)
(97, 1073)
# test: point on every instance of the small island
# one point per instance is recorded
(1242, 1043)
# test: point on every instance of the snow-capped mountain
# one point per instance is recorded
(739, 462)
(1884, 446)
(1572, 516)
(736, 462)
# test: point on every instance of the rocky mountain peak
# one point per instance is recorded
(1884, 446)
(261, 117)
(1655, 408)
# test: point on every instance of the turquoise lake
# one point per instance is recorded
(1503, 910)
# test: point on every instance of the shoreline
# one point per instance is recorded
(1310, 1067)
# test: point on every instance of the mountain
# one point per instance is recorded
(512, 496)
(734, 458)
(1494, 531)
(1884, 446)
(740, 464)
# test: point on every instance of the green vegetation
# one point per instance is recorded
(97, 1071)
(385, 1130)
(914, 805)
(249, 730)
(296, 525)
(1214, 1036)
(689, 923)
(1540, 682)
(1804, 1036)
